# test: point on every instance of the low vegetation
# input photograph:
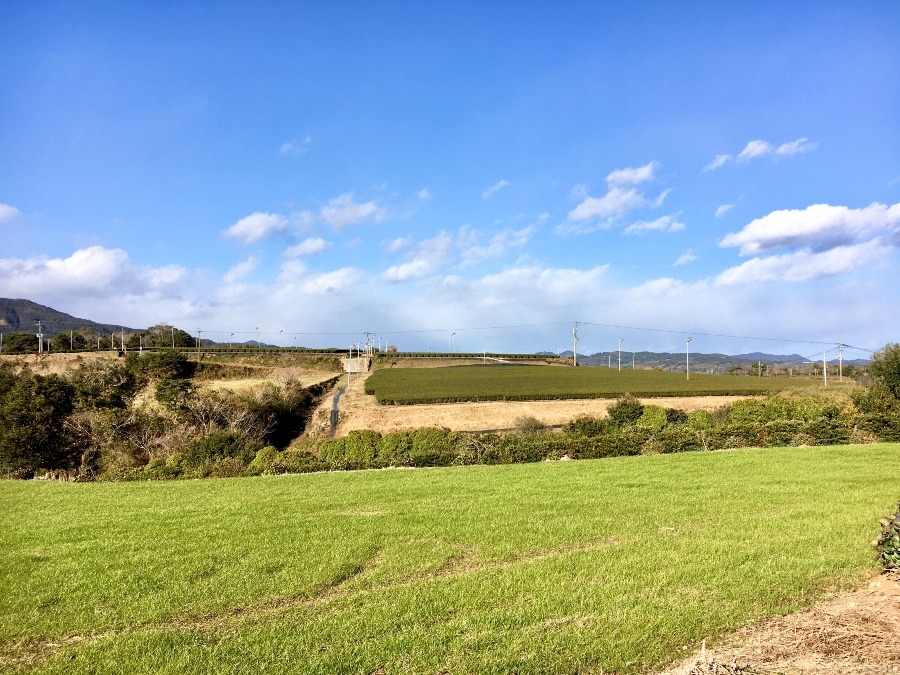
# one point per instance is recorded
(403, 386)
(89, 423)
(612, 566)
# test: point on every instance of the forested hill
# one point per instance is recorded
(23, 315)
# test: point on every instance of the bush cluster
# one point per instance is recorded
(888, 543)
(86, 426)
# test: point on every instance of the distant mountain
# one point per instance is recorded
(717, 363)
(23, 315)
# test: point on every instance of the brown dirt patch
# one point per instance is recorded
(361, 411)
(854, 633)
(56, 364)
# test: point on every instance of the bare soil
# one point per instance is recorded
(56, 364)
(854, 633)
(361, 411)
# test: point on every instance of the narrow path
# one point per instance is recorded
(334, 412)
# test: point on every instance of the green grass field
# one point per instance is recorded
(614, 565)
(516, 383)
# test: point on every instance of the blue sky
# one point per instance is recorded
(497, 170)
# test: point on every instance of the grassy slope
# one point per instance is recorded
(471, 383)
(610, 564)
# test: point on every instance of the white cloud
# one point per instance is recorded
(399, 244)
(804, 265)
(718, 162)
(294, 147)
(241, 270)
(662, 224)
(499, 244)
(257, 226)
(426, 258)
(616, 202)
(685, 258)
(723, 209)
(487, 193)
(424, 194)
(620, 198)
(308, 246)
(8, 213)
(761, 148)
(89, 273)
(343, 211)
(795, 147)
(413, 269)
(633, 175)
(819, 226)
(755, 149)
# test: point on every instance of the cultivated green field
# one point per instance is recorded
(614, 565)
(526, 383)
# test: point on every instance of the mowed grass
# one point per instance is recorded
(522, 383)
(612, 566)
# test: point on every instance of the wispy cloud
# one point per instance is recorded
(498, 244)
(632, 175)
(723, 209)
(8, 213)
(343, 211)
(257, 226)
(662, 224)
(718, 161)
(241, 270)
(487, 193)
(424, 194)
(804, 265)
(295, 147)
(685, 258)
(308, 246)
(622, 196)
(761, 148)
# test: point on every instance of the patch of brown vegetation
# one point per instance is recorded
(855, 633)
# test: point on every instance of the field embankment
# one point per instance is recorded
(361, 411)
(618, 565)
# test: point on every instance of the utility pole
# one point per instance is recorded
(840, 361)
(687, 357)
(575, 345)
(40, 337)
(609, 361)
(825, 367)
(620, 354)
(71, 341)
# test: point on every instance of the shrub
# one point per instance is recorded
(885, 368)
(700, 420)
(586, 426)
(356, 450)
(653, 418)
(220, 445)
(165, 364)
(676, 416)
(432, 447)
(888, 542)
(265, 462)
(33, 411)
(679, 439)
(625, 411)
(172, 393)
(394, 449)
(102, 384)
(528, 424)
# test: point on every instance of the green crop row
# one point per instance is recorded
(400, 386)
